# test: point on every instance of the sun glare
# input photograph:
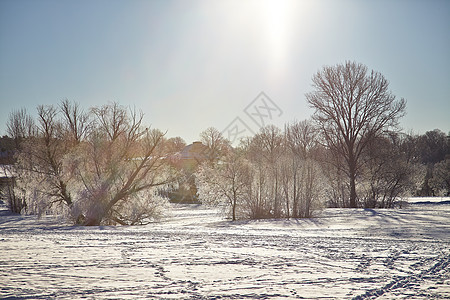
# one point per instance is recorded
(277, 18)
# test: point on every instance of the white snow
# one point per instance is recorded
(196, 254)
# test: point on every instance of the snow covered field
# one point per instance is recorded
(196, 254)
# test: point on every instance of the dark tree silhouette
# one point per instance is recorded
(352, 107)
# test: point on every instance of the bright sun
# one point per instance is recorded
(278, 23)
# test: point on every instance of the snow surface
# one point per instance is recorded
(196, 254)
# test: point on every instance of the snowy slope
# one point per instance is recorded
(196, 254)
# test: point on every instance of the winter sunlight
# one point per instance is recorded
(277, 22)
(224, 149)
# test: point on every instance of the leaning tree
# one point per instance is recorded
(352, 107)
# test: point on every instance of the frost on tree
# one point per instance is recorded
(99, 167)
(273, 175)
(225, 183)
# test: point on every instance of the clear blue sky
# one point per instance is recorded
(193, 64)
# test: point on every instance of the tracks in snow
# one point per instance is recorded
(438, 273)
(203, 257)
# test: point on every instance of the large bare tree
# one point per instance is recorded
(99, 166)
(352, 107)
(118, 165)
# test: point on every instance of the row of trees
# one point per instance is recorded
(290, 173)
(274, 174)
(353, 145)
(102, 166)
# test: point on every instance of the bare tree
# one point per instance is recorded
(42, 182)
(431, 148)
(50, 133)
(226, 182)
(387, 174)
(118, 165)
(440, 182)
(100, 167)
(76, 120)
(112, 120)
(20, 126)
(301, 138)
(352, 107)
(216, 144)
(301, 173)
(272, 175)
(174, 145)
(265, 151)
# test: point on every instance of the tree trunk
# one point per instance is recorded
(234, 206)
(92, 222)
(352, 189)
(352, 175)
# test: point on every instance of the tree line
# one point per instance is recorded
(103, 166)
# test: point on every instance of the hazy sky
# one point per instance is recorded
(193, 64)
